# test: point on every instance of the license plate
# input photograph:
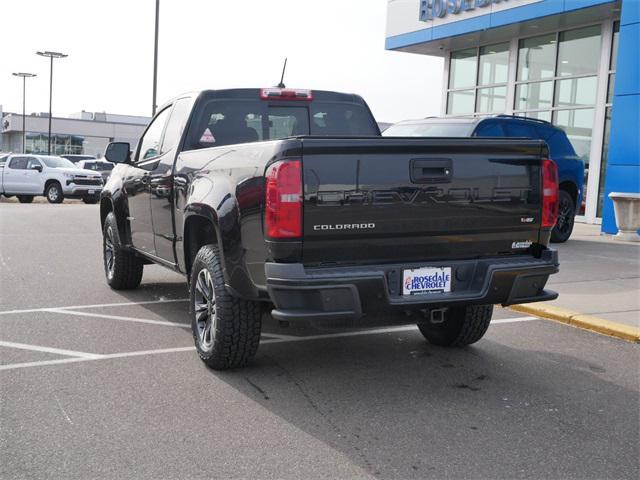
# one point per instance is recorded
(426, 280)
(91, 192)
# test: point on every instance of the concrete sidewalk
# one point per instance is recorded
(598, 276)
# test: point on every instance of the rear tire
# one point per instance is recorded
(122, 268)
(226, 329)
(90, 200)
(25, 198)
(462, 326)
(566, 218)
(53, 192)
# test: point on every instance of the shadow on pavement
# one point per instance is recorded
(401, 408)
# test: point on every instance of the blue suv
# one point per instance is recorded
(570, 165)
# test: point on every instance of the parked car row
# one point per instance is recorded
(570, 165)
(27, 176)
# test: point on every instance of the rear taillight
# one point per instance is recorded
(550, 195)
(276, 93)
(283, 206)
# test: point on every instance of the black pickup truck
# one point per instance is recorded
(289, 201)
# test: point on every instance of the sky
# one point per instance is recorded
(331, 45)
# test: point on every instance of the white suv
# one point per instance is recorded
(26, 176)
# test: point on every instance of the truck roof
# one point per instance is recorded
(254, 93)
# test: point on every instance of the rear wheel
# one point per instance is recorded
(566, 215)
(122, 268)
(90, 200)
(226, 329)
(53, 192)
(25, 198)
(461, 326)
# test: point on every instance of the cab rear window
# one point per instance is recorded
(228, 122)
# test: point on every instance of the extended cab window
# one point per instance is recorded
(228, 122)
(150, 143)
(175, 125)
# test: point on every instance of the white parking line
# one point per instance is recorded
(57, 351)
(278, 335)
(14, 366)
(94, 357)
(117, 317)
(514, 320)
(98, 305)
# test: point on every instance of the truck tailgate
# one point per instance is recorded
(371, 200)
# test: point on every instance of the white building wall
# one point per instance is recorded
(97, 134)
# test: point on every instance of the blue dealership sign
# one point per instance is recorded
(430, 9)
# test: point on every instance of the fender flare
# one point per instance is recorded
(218, 205)
(120, 209)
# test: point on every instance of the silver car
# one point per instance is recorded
(101, 166)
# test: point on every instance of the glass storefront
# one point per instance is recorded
(570, 63)
(554, 77)
(64, 144)
(485, 70)
(60, 144)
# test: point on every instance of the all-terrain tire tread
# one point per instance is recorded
(239, 322)
(463, 326)
(475, 324)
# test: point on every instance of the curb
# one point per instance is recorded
(586, 322)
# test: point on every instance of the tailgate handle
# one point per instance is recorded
(431, 170)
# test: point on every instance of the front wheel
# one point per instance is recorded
(226, 329)
(53, 192)
(25, 198)
(566, 216)
(461, 326)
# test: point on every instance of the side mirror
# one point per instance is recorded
(118, 152)
(37, 167)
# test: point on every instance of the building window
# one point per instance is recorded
(537, 58)
(461, 102)
(60, 144)
(534, 96)
(491, 100)
(478, 80)
(464, 64)
(494, 64)
(579, 51)
(568, 63)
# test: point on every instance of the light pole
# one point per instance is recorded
(24, 90)
(51, 56)
(155, 59)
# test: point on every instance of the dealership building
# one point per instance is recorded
(574, 63)
(80, 133)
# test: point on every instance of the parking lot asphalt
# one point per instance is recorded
(102, 384)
